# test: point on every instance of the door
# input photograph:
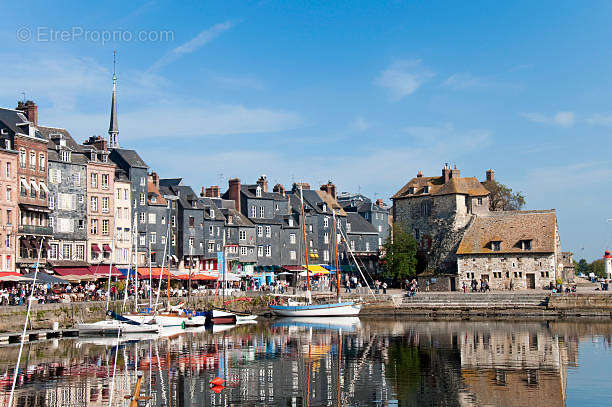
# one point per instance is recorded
(530, 281)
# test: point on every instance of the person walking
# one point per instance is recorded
(384, 287)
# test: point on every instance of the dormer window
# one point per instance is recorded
(290, 222)
(496, 245)
(258, 192)
(411, 190)
(65, 155)
(229, 219)
(526, 244)
(153, 199)
(348, 227)
(212, 213)
(426, 189)
(324, 208)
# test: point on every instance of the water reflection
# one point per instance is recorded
(312, 363)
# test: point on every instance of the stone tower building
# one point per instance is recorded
(437, 211)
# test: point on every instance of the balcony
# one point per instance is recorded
(35, 230)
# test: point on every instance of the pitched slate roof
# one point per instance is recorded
(167, 182)
(11, 118)
(209, 204)
(131, 157)
(359, 225)
(249, 191)
(465, 186)
(77, 156)
(331, 203)
(509, 228)
(237, 218)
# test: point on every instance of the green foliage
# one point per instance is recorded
(399, 260)
(502, 198)
(597, 267)
(403, 369)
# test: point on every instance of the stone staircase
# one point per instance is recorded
(459, 300)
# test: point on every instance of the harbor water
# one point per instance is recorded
(331, 362)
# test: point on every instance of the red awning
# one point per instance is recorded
(101, 270)
(106, 248)
(294, 268)
(95, 248)
(155, 272)
(72, 271)
(10, 273)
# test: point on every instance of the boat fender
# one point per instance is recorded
(217, 381)
(217, 389)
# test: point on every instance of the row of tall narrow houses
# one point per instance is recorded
(458, 235)
(82, 206)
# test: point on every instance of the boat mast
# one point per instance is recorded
(169, 238)
(305, 244)
(135, 268)
(150, 280)
(336, 252)
(190, 270)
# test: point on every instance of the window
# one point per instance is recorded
(290, 222)
(173, 240)
(228, 233)
(152, 218)
(243, 235)
(76, 179)
(54, 250)
(142, 239)
(496, 246)
(243, 251)
(259, 251)
(268, 231)
(352, 245)
(118, 193)
(526, 244)
(67, 252)
(310, 227)
(262, 211)
(94, 226)
(143, 182)
(367, 246)
(22, 158)
(41, 161)
(253, 211)
(32, 160)
(268, 251)
(94, 204)
(258, 191)
(81, 224)
(211, 247)
(105, 181)
(379, 228)
(426, 189)
(425, 208)
(173, 221)
(348, 227)
(192, 221)
(325, 222)
(292, 255)
(211, 230)
(324, 208)
(105, 227)
(218, 231)
(125, 194)
(142, 217)
(163, 240)
(143, 199)
(479, 201)
(8, 239)
(8, 194)
(9, 216)
(94, 180)
(8, 170)
(259, 231)
(292, 238)
(326, 238)
(325, 255)
(104, 204)
(163, 220)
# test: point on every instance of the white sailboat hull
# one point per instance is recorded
(341, 309)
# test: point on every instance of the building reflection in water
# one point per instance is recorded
(296, 363)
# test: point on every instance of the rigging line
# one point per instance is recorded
(25, 326)
(355, 260)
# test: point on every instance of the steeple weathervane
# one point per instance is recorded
(113, 129)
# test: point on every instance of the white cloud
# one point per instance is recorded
(403, 78)
(238, 82)
(461, 81)
(203, 38)
(562, 119)
(599, 119)
(360, 124)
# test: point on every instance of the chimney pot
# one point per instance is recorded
(30, 110)
(490, 175)
(234, 192)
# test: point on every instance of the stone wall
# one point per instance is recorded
(500, 270)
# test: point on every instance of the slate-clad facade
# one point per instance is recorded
(68, 197)
(377, 213)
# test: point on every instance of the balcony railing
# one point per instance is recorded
(35, 230)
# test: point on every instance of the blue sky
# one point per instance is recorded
(363, 93)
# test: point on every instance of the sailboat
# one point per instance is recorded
(308, 309)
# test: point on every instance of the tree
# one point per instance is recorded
(598, 267)
(399, 260)
(581, 267)
(502, 198)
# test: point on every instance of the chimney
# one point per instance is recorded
(211, 192)
(330, 188)
(380, 202)
(419, 174)
(97, 142)
(263, 183)
(446, 173)
(297, 185)
(490, 175)
(279, 189)
(234, 192)
(30, 109)
(155, 179)
(455, 172)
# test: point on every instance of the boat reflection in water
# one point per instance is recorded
(289, 362)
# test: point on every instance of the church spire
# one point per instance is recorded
(113, 129)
